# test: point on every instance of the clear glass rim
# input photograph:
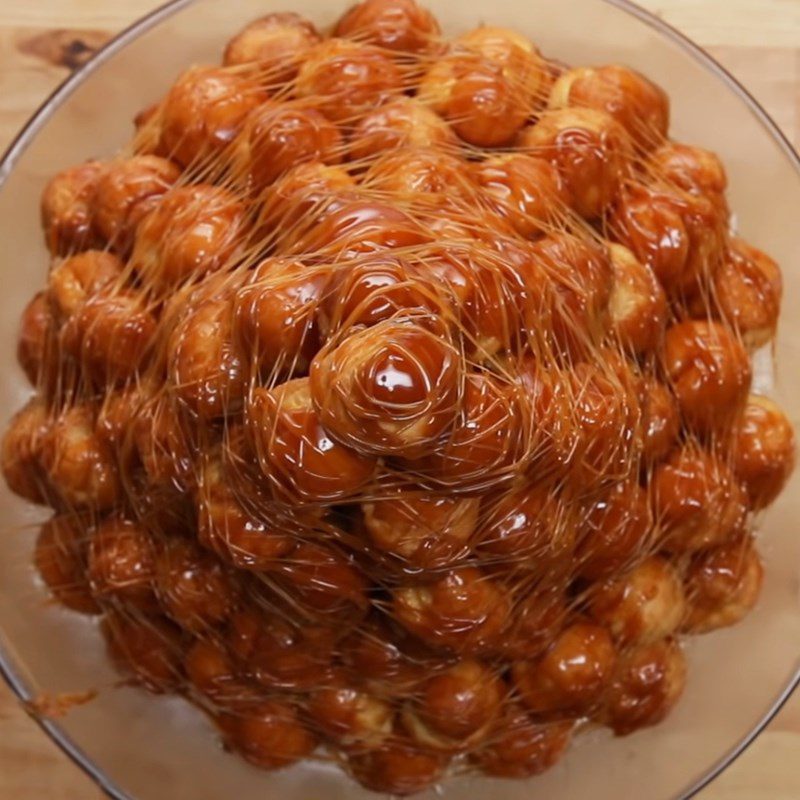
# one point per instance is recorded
(29, 131)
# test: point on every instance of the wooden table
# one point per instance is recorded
(41, 40)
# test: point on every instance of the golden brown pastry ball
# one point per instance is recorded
(615, 529)
(691, 169)
(637, 306)
(640, 106)
(205, 366)
(295, 451)
(272, 46)
(401, 122)
(661, 420)
(350, 716)
(763, 450)
(67, 211)
(391, 389)
(454, 709)
(79, 465)
(723, 585)
(126, 191)
(204, 110)
(709, 372)
(60, 560)
(347, 79)
(269, 733)
(277, 137)
(526, 190)
(191, 232)
(249, 535)
(423, 530)
(572, 675)
(463, 611)
(590, 149)
(23, 452)
(211, 672)
(680, 236)
(641, 606)
(648, 682)
(400, 25)
(37, 343)
(149, 646)
(111, 336)
(521, 747)
(397, 767)
(121, 564)
(697, 500)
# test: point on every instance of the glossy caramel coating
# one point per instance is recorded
(590, 150)
(616, 528)
(296, 453)
(67, 211)
(278, 136)
(307, 192)
(356, 226)
(121, 564)
(488, 437)
(482, 104)
(204, 110)
(399, 25)
(539, 613)
(723, 585)
(417, 176)
(111, 336)
(455, 708)
(641, 606)
(274, 316)
(126, 192)
(680, 236)
(648, 682)
(463, 611)
(269, 734)
(191, 232)
(388, 390)
(325, 580)
(691, 169)
(249, 536)
(79, 278)
(346, 78)
(212, 673)
(36, 341)
(517, 57)
(572, 676)
(746, 293)
(763, 450)
(194, 588)
(422, 530)
(60, 560)
(148, 646)
(401, 122)
(661, 420)
(279, 653)
(640, 106)
(351, 717)
(397, 767)
(698, 502)
(22, 452)
(709, 372)
(273, 46)
(528, 191)
(78, 464)
(523, 525)
(374, 289)
(521, 747)
(205, 366)
(637, 306)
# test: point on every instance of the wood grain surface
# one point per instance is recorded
(42, 40)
